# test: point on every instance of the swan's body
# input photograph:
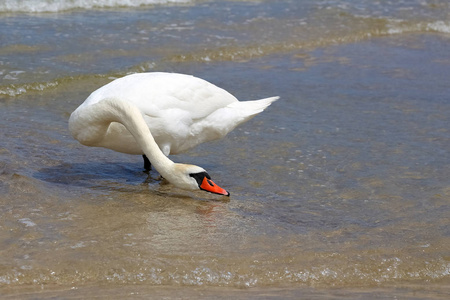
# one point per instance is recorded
(157, 114)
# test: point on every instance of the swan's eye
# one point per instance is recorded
(200, 176)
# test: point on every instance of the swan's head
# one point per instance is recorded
(192, 177)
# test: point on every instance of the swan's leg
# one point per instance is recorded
(147, 164)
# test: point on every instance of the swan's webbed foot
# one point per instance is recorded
(147, 164)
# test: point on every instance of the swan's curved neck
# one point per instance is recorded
(89, 125)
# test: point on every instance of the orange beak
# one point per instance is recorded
(209, 186)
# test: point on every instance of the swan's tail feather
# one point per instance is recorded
(239, 112)
(227, 118)
(253, 107)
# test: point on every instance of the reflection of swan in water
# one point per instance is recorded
(157, 114)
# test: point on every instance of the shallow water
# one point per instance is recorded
(339, 189)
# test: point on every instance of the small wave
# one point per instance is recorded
(39, 6)
(367, 28)
(14, 90)
(20, 89)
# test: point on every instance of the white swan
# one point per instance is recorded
(157, 114)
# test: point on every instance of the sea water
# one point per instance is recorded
(339, 189)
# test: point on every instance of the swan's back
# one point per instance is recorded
(156, 92)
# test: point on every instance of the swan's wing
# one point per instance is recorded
(195, 96)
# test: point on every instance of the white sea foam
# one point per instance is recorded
(27, 222)
(399, 27)
(37, 6)
(439, 26)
